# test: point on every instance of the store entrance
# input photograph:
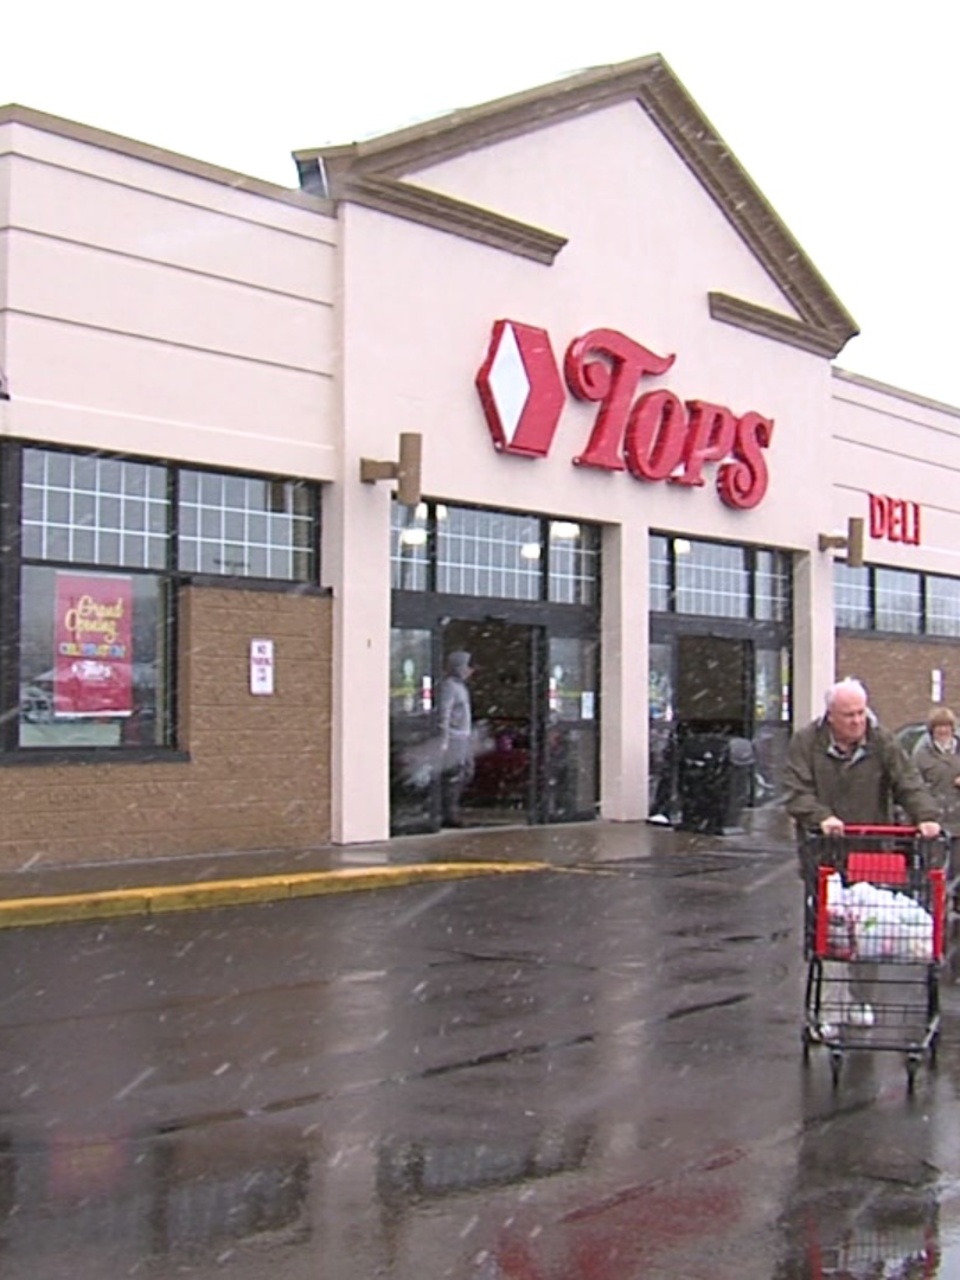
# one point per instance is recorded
(714, 686)
(534, 744)
(716, 696)
(507, 729)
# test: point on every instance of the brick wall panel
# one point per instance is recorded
(258, 776)
(897, 674)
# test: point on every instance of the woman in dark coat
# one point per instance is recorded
(937, 757)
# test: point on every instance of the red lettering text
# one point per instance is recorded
(895, 519)
(612, 380)
(742, 484)
(710, 438)
(878, 516)
(912, 535)
(655, 437)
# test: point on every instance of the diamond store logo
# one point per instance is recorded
(653, 435)
(521, 389)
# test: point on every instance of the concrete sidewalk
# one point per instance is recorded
(46, 895)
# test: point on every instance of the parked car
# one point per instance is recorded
(910, 734)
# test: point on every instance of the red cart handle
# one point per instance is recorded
(868, 829)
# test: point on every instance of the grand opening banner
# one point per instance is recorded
(93, 646)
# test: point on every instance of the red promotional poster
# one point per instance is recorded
(93, 645)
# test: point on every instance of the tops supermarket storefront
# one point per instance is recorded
(618, 362)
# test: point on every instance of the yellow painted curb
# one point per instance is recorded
(156, 899)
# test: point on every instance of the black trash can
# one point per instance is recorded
(704, 782)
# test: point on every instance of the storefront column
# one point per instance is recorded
(358, 569)
(625, 659)
(814, 638)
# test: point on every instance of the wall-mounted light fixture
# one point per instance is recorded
(851, 542)
(406, 470)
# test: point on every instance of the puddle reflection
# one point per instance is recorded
(865, 1202)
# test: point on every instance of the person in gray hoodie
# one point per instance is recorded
(456, 735)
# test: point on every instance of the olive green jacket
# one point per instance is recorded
(865, 789)
(939, 770)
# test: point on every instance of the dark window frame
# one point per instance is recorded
(781, 560)
(426, 562)
(925, 596)
(172, 581)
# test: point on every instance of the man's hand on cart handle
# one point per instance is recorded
(833, 826)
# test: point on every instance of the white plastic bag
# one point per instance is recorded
(883, 924)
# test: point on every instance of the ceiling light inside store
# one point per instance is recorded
(413, 537)
(681, 546)
(564, 530)
(530, 551)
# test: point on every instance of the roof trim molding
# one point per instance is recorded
(13, 113)
(653, 85)
(887, 389)
(772, 324)
(430, 208)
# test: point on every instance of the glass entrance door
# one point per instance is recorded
(571, 744)
(506, 658)
(534, 748)
(414, 758)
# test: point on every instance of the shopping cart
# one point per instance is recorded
(874, 922)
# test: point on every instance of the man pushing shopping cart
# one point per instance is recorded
(844, 779)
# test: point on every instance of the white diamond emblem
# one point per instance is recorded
(509, 384)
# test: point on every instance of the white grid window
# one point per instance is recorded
(489, 553)
(494, 553)
(851, 597)
(898, 601)
(574, 562)
(659, 573)
(772, 587)
(943, 606)
(712, 579)
(245, 527)
(409, 551)
(84, 509)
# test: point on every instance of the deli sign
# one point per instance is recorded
(894, 519)
(654, 435)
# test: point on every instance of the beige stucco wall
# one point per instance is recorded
(889, 442)
(646, 245)
(899, 445)
(149, 303)
(156, 305)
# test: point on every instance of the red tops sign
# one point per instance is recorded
(655, 436)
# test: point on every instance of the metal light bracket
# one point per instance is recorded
(406, 470)
(851, 542)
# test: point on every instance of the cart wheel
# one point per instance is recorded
(836, 1062)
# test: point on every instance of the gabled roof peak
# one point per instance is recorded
(372, 172)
